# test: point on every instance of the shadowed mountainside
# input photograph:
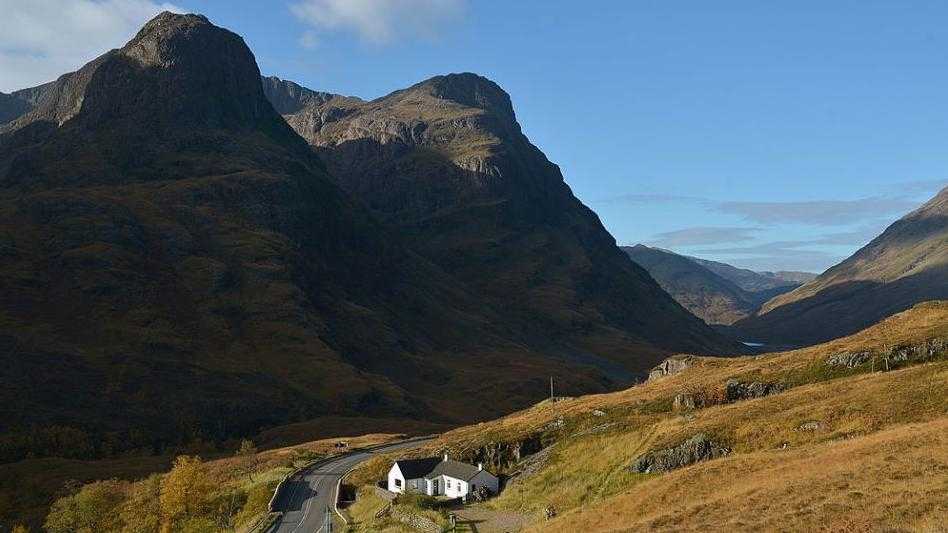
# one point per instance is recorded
(445, 163)
(178, 265)
(711, 297)
(716, 292)
(906, 264)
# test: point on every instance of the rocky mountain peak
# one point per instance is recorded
(163, 39)
(471, 90)
(179, 71)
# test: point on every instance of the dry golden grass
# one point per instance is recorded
(878, 459)
(895, 479)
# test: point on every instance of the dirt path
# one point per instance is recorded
(481, 520)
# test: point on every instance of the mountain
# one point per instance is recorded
(445, 163)
(12, 107)
(752, 281)
(177, 266)
(707, 295)
(906, 264)
(717, 293)
(288, 97)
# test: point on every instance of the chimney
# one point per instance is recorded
(480, 466)
(446, 456)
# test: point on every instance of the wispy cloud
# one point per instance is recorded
(818, 212)
(43, 39)
(703, 235)
(650, 198)
(378, 21)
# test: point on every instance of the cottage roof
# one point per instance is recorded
(455, 469)
(417, 468)
(432, 467)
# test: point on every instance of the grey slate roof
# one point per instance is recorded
(455, 469)
(432, 467)
(417, 468)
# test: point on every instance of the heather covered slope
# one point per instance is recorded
(847, 435)
(177, 265)
(906, 264)
(445, 163)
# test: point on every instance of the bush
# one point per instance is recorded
(416, 500)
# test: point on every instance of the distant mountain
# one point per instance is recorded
(177, 264)
(906, 264)
(752, 281)
(715, 292)
(288, 97)
(12, 107)
(445, 163)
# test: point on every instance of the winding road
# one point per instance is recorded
(305, 499)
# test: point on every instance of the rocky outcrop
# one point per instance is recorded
(671, 366)
(735, 390)
(848, 359)
(893, 356)
(917, 352)
(698, 448)
(504, 456)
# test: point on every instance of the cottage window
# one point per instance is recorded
(449, 483)
(398, 482)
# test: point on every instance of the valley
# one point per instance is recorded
(230, 302)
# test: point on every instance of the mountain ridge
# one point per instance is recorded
(712, 291)
(906, 264)
(445, 162)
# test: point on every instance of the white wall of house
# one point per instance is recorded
(454, 488)
(396, 481)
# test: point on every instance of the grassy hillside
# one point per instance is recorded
(849, 448)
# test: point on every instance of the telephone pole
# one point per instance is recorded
(551, 388)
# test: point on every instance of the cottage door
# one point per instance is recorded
(434, 487)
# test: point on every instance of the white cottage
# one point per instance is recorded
(440, 476)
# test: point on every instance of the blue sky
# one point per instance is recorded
(772, 135)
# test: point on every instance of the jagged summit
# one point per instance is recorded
(467, 89)
(178, 71)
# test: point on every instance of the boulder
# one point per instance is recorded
(671, 366)
(735, 390)
(684, 402)
(696, 449)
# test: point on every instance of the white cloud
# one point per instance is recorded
(379, 21)
(43, 39)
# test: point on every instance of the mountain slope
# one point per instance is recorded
(445, 163)
(906, 264)
(177, 265)
(709, 296)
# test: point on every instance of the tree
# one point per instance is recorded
(184, 492)
(91, 509)
(248, 452)
(141, 512)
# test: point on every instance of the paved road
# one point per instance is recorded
(305, 498)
